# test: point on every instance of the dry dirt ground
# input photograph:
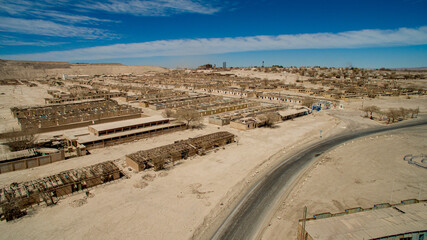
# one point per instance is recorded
(385, 103)
(169, 204)
(19, 95)
(288, 78)
(34, 69)
(359, 173)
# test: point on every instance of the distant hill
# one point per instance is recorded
(10, 69)
(412, 69)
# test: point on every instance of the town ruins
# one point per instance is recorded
(73, 127)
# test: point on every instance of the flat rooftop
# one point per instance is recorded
(91, 138)
(126, 123)
(292, 111)
(376, 223)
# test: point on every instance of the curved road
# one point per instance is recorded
(246, 218)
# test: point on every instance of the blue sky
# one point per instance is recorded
(188, 33)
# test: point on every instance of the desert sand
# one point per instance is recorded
(288, 78)
(359, 173)
(32, 69)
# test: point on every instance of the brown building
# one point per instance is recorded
(109, 134)
(178, 150)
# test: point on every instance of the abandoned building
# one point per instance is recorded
(220, 106)
(152, 94)
(405, 220)
(277, 97)
(178, 150)
(190, 101)
(86, 94)
(126, 125)
(218, 120)
(109, 134)
(244, 123)
(254, 121)
(230, 91)
(19, 196)
(65, 116)
(227, 117)
(294, 113)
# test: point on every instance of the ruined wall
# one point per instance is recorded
(178, 150)
(31, 162)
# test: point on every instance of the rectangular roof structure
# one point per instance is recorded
(292, 111)
(126, 123)
(92, 138)
(376, 223)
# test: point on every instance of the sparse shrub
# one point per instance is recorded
(167, 113)
(392, 115)
(414, 112)
(403, 112)
(371, 110)
(307, 102)
(190, 116)
(268, 119)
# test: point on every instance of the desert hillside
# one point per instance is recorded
(35, 69)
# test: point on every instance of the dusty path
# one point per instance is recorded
(247, 217)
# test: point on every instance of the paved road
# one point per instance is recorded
(246, 218)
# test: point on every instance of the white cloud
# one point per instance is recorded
(152, 7)
(42, 9)
(24, 43)
(49, 8)
(14, 41)
(67, 18)
(183, 47)
(48, 28)
(59, 18)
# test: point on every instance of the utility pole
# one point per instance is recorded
(304, 217)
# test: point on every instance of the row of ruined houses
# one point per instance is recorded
(157, 157)
(19, 196)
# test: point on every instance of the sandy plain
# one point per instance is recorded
(35, 69)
